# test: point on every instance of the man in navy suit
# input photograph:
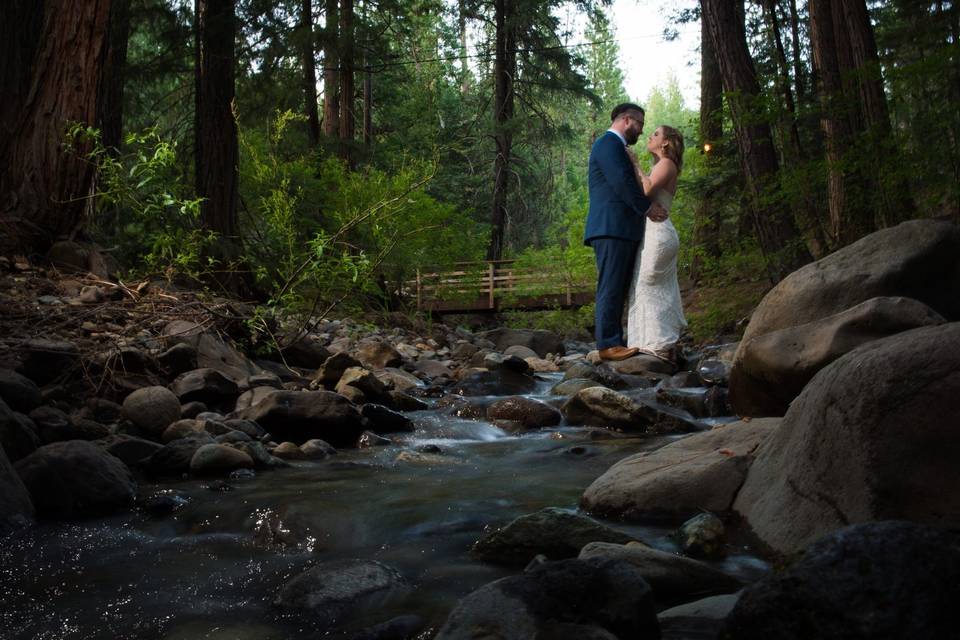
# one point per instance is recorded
(615, 224)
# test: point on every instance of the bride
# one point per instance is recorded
(654, 312)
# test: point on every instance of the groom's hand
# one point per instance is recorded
(657, 213)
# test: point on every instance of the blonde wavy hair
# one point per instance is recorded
(673, 149)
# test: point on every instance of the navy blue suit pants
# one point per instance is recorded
(615, 261)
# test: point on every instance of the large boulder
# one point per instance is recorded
(552, 532)
(16, 508)
(541, 342)
(213, 351)
(332, 369)
(668, 574)
(918, 259)
(876, 581)
(205, 385)
(774, 367)
(584, 599)
(218, 459)
(76, 479)
(366, 383)
(702, 471)
(873, 436)
(299, 416)
(625, 411)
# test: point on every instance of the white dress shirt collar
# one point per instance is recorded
(619, 135)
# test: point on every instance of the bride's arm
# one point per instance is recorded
(660, 176)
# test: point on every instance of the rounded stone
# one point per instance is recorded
(152, 409)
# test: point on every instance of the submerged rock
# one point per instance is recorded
(553, 532)
(333, 591)
(702, 536)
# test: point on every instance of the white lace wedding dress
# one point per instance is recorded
(654, 311)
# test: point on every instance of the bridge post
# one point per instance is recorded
(419, 292)
(491, 271)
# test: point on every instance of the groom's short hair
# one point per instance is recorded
(623, 107)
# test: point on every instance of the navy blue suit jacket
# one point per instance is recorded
(618, 207)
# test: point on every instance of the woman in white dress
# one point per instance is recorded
(654, 311)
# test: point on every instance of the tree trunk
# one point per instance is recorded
(110, 116)
(309, 64)
(846, 65)
(215, 129)
(792, 150)
(798, 80)
(504, 72)
(894, 201)
(706, 217)
(776, 232)
(331, 76)
(20, 37)
(347, 116)
(43, 191)
(845, 188)
(367, 106)
(462, 31)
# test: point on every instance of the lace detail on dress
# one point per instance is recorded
(654, 310)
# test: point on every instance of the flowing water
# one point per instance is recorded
(212, 568)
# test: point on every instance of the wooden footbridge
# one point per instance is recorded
(497, 285)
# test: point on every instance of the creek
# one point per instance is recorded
(212, 567)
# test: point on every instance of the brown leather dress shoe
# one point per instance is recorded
(618, 353)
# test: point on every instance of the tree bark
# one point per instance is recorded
(504, 72)
(367, 106)
(792, 150)
(462, 32)
(706, 217)
(331, 75)
(894, 202)
(773, 223)
(43, 191)
(110, 116)
(20, 37)
(309, 65)
(214, 128)
(347, 115)
(798, 72)
(845, 188)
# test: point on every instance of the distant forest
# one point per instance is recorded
(300, 148)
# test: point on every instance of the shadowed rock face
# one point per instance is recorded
(16, 509)
(76, 479)
(599, 598)
(873, 436)
(886, 580)
(299, 416)
(918, 259)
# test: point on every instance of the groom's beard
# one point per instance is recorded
(631, 137)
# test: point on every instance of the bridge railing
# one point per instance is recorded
(496, 284)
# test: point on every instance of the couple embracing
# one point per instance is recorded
(635, 243)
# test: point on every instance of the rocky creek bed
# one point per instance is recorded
(156, 481)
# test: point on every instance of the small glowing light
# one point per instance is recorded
(707, 147)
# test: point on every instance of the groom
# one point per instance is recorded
(618, 211)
